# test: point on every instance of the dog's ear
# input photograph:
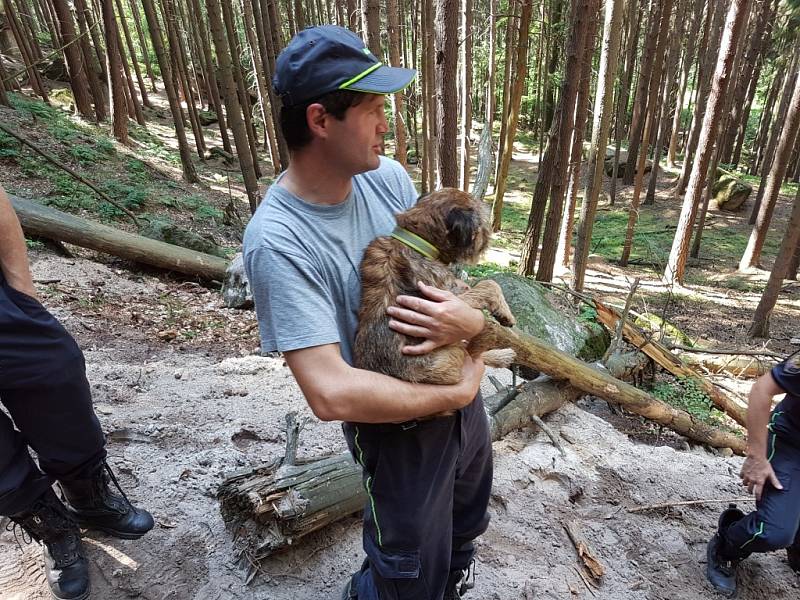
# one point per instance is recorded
(460, 227)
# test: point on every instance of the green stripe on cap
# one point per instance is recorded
(361, 75)
(413, 241)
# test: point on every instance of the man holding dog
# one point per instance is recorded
(428, 480)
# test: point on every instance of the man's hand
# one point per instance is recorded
(472, 373)
(755, 473)
(441, 319)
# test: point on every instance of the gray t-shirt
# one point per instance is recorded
(303, 259)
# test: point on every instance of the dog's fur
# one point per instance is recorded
(456, 224)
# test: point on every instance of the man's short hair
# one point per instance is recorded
(294, 124)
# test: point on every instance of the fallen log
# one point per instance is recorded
(659, 353)
(274, 505)
(54, 224)
(745, 367)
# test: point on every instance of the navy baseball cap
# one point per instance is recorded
(319, 60)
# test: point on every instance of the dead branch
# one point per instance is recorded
(698, 350)
(553, 437)
(595, 568)
(68, 170)
(659, 353)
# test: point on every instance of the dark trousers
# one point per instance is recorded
(776, 521)
(428, 484)
(43, 388)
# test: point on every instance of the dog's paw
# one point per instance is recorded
(505, 318)
(499, 358)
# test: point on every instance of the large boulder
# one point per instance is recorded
(532, 305)
(608, 165)
(730, 192)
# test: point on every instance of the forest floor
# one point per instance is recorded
(185, 398)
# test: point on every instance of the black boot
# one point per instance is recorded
(65, 566)
(793, 554)
(94, 506)
(720, 569)
(460, 582)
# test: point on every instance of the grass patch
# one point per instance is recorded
(684, 393)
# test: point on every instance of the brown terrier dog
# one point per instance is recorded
(446, 226)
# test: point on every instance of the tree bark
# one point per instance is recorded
(119, 108)
(676, 264)
(446, 53)
(25, 51)
(398, 101)
(132, 53)
(137, 21)
(466, 93)
(603, 108)
(791, 240)
(232, 106)
(512, 115)
(153, 25)
(788, 134)
(74, 60)
(372, 26)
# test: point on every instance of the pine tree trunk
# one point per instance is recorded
(232, 106)
(788, 135)
(131, 100)
(620, 121)
(398, 101)
(3, 76)
(567, 219)
(94, 70)
(508, 63)
(676, 265)
(137, 22)
(132, 52)
(512, 115)
(794, 264)
(688, 59)
(25, 51)
(119, 108)
(273, 41)
(601, 127)
(372, 26)
(466, 93)
(553, 168)
(238, 77)
(763, 14)
(654, 87)
(709, 52)
(775, 133)
(74, 60)
(446, 52)
(781, 268)
(156, 36)
(640, 100)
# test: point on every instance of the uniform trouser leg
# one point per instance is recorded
(428, 486)
(776, 521)
(59, 424)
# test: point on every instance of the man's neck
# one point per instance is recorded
(316, 181)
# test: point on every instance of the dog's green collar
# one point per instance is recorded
(413, 241)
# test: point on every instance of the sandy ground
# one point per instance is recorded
(180, 416)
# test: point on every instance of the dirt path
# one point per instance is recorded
(180, 415)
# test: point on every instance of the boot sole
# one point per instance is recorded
(84, 596)
(123, 535)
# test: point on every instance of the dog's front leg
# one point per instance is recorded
(489, 295)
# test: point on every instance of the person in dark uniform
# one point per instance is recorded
(428, 480)
(48, 408)
(771, 472)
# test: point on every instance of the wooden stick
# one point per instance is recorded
(618, 333)
(688, 503)
(553, 438)
(717, 351)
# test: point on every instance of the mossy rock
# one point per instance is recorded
(536, 316)
(655, 324)
(207, 117)
(178, 236)
(730, 192)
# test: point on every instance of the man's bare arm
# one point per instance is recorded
(336, 391)
(757, 471)
(13, 252)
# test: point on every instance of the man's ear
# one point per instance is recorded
(316, 117)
